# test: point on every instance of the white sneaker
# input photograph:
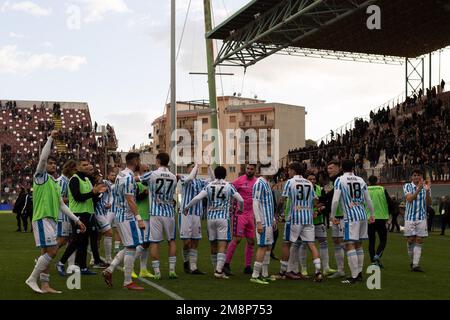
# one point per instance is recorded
(33, 285)
(92, 262)
(221, 275)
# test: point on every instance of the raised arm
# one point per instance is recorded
(45, 153)
(192, 175)
(211, 173)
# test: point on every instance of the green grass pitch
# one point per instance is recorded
(17, 254)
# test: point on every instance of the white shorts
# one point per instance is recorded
(159, 226)
(104, 222)
(266, 238)
(337, 230)
(45, 232)
(129, 233)
(146, 233)
(320, 231)
(304, 232)
(219, 230)
(416, 228)
(355, 231)
(64, 229)
(190, 227)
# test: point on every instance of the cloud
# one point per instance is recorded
(28, 7)
(48, 44)
(17, 62)
(16, 35)
(95, 10)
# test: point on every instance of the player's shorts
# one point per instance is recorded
(64, 229)
(129, 233)
(337, 230)
(287, 232)
(266, 238)
(417, 228)
(304, 232)
(45, 232)
(111, 216)
(146, 232)
(160, 225)
(190, 227)
(103, 222)
(320, 231)
(243, 226)
(219, 230)
(355, 230)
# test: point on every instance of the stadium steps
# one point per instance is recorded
(60, 145)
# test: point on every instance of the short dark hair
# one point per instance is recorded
(348, 165)
(220, 172)
(417, 171)
(373, 180)
(310, 173)
(163, 158)
(53, 158)
(131, 156)
(82, 160)
(298, 167)
(334, 162)
(191, 164)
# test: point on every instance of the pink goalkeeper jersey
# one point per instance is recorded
(244, 187)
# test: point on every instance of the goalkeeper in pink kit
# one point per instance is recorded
(243, 224)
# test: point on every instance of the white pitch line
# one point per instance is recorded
(171, 294)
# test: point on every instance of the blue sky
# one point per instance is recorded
(114, 54)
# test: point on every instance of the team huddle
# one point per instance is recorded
(140, 206)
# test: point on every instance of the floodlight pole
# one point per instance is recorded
(211, 78)
(173, 84)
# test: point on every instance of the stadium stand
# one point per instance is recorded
(415, 133)
(24, 127)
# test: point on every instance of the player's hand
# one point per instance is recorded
(54, 134)
(107, 206)
(371, 219)
(420, 186)
(81, 226)
(99, 188)
(186, 212)
(141, 224)
(315, 214)
(259, 228)
(427, 185)
(336, 221)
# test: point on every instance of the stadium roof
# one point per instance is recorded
(333, 27)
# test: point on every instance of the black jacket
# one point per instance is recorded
(74, 185)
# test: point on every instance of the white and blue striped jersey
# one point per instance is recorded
(190, 189)
(263, 193)
(125, 185)
(162, 185)
(353, 192)
(108, 196)
(417, 209)
(301, 193)
(63, 183)
(100, 208)
(219, 194)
